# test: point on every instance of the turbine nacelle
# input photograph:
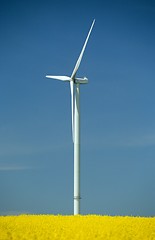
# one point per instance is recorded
(81, 80)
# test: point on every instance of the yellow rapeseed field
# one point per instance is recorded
(76, 227)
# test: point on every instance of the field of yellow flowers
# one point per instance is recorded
(79, 227)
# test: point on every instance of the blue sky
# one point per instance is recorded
(117, 106)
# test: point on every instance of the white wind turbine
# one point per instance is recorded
(75, 103)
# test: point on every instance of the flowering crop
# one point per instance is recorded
(43, 227)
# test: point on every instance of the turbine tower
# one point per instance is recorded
(75, 105)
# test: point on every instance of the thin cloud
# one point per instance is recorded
(138, 141)
(15, 168)
(18, 149)
(122, 141)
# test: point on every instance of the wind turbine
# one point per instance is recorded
(75, 108)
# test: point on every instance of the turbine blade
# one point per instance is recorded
(62, 78)
(81, 54)
(72, 106)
